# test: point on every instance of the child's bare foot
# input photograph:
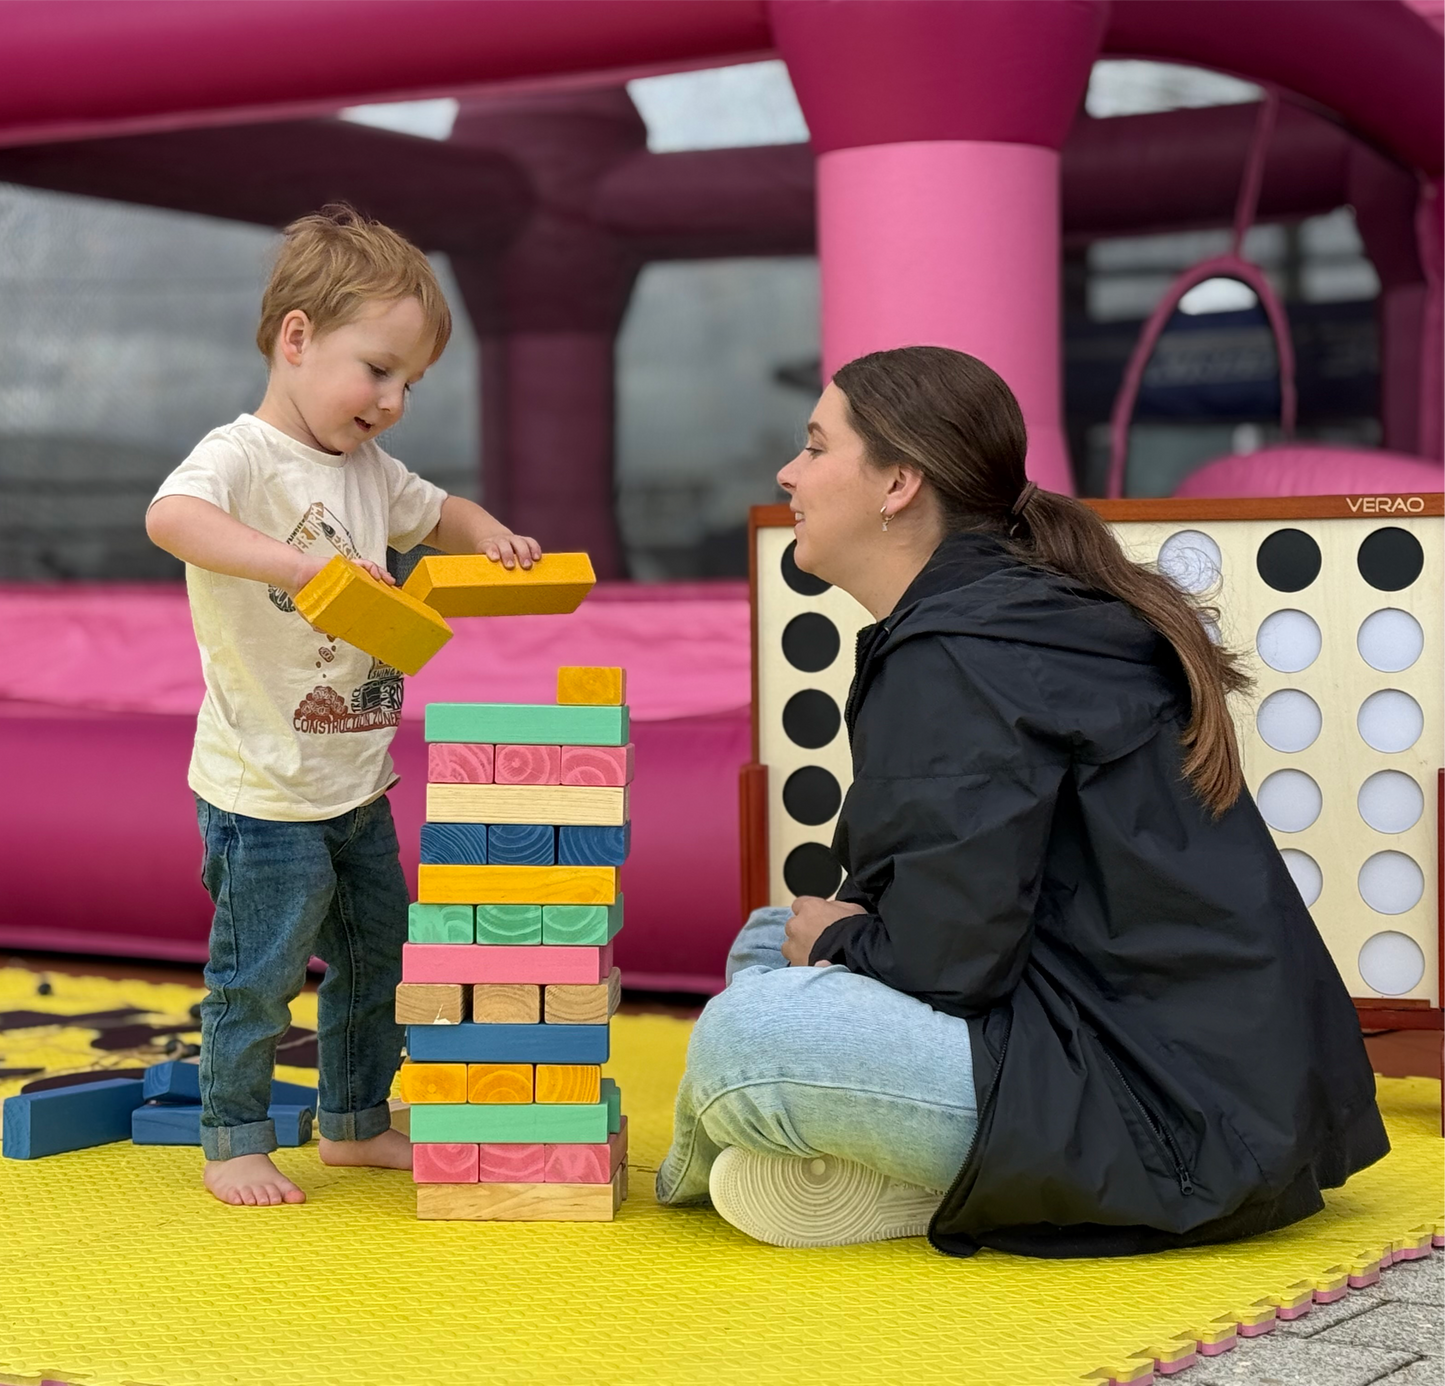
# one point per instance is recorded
(390, 1150)
(251, 1181)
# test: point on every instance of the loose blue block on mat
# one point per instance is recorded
(180, 1082)
(167, 1124)
(454, 844)
(471, 1043)
(60, 1119)
(522, 844)
(593, 846)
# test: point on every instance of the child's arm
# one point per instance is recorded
(464, 527)
(205, 536)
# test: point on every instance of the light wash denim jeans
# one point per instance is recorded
(819, 1061)
(285, 891)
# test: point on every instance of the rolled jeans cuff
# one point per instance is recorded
(355, 1126)
(250, 1138)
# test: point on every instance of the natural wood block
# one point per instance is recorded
(461, 844)
(460, 763)
(430, 1003)
(597, 765)
(471, 584)
(518, 724)
(586, 1164)
(524, 844)
(568, 1083)
(508, 885)
(440, 924)
(512, 1164)
(500, 962)
(509, 923)
(591, 685)
(594, 846)
(386, 622)
(512, 1123)
(400, 1115)
(526, 803)
(583, 1005)
(507, 1003)
(522, 1202)
(423, 1082)
(436, 1162)
(509, 1044)
(528, 765)
(621, 1195)
(501, 1083)
(582, 924)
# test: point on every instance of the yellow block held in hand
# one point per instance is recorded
(388, 623)
(471, 584)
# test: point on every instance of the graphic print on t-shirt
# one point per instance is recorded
(317, 522)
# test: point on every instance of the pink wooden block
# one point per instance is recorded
(443, 1163)
(586, 1164)
(471, 963)
(511, 1164)
(529, 765)
(610, 765)
(460, 763)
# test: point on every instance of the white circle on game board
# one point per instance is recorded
(1391, 963)
(1289, 720)
(1304, 870)
(1288, 641)
(1390, 640)
(1289, 800)
(1391, 802)
(1390, 721)
(1391, 883)
(1191, 559)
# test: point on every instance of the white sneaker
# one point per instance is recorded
(790, 1201)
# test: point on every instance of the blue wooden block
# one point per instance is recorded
(60, 1119)
(180, 1082)
(593, 846)
(166, 1124)
(611, 1094)
(454, 844)
(471, 1043)
(522, 844)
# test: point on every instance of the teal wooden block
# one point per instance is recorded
(56, 1120)
(612, 1099)
(510, 1123)
(581, 924)
(509, 923)
(440, 924)
(527, 724)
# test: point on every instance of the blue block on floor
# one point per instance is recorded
(470, 1043)
(60, 1119)
(454, 844)
(522, 844)
(593, 846)
(180, 1082)
(167, 1124)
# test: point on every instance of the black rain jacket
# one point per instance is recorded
(1164, 1053)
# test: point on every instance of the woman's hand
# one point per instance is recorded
(811, 916)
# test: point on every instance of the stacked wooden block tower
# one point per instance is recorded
(508, 986)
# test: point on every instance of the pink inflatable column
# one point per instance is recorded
(937, 129)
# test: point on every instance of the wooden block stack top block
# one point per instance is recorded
(596, 687)
(386, 622)
(473, 585)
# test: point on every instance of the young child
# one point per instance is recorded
(290, 767)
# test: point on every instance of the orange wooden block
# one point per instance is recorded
(528, 765)
(470, 584)
(592, 686)
(569, 1083)
(434, 1082)
(499, 1083)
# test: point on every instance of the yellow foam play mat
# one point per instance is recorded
(118, 1268)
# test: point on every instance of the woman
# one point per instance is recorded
(1068, 1002)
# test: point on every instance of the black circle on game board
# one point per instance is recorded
(811, 719)
(811, 870)
(1390, 559)
(812, 795)
(810, 642)
(804, 584)
(1289, 560)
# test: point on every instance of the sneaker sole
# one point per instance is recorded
(796, 1202)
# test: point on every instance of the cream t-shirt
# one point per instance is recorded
(294, 726)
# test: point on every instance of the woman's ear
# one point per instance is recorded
(904, 485)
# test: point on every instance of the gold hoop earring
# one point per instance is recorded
(884, 512)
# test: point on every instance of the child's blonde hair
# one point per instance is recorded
(336, 261)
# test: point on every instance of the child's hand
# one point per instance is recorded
(308, 565)
(509, 549)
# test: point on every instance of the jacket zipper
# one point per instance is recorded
(1181, 1170)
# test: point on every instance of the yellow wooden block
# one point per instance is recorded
(569, 1083)
(433, 1083)
(581, 1003)
(591, 686)
(577, 806)
(385, 622)
(500, 1083)
(516, 885)
(523, 1202)
(471, 584)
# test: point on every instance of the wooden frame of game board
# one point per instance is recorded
(753, 778)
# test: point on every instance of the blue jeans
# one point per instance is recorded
(819, 1061)
(285, 891)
